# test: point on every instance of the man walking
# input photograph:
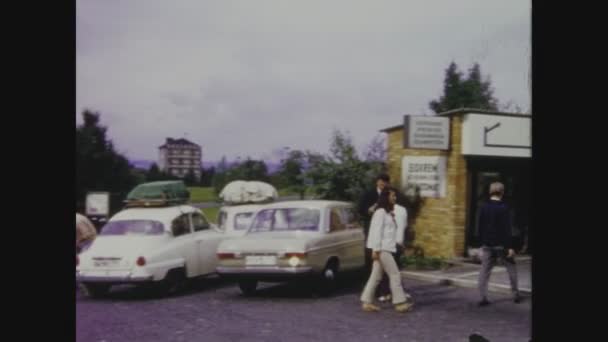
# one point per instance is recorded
(496, 242)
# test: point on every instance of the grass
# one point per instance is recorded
(211, 213)
(199, 194)
(310, 191)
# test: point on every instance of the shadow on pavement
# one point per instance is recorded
(138, 293)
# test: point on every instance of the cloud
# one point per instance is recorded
(242, 78)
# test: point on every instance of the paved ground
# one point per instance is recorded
(466, 275)
(215, 310)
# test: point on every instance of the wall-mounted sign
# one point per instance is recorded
(429, 173)
(497, 135)
(426, 132)
(98, 204)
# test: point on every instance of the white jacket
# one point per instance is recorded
(385, 232)
(401, 218)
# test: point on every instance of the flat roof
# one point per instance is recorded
(462, 111)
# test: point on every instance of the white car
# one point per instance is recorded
(234, 220)
(294, 240)
(153, 246)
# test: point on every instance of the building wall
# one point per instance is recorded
(440, 225)
(179, 159)
(162, 159)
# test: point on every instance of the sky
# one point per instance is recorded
(246, 78)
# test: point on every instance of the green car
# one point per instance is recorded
(159, 193)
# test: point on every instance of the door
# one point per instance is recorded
(207, 240)
(185, 244)
(515, 174)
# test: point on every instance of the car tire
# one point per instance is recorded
(94, 290)
(248, 287)
(172, 283)
(329, 278)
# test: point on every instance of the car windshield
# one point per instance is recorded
(132, 227)
(286, 219)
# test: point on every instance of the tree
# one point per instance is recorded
(153, 173)
(342, 175)
(98, 166)
(376, 150)
(207, 176)
(472, 92)
(190, 178)
(247, 170)
(251, 170)
(291, 172)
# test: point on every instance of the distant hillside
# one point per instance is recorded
(145, 164)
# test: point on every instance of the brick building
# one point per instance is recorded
(453, 157)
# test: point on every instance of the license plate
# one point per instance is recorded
(261, 260)
(105, 263)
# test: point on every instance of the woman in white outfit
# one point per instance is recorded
(382, 240)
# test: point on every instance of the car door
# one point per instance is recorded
(184, 244)
(356, 237)
(208, 238)
(339, 238)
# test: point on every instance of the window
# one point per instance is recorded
(221, 219)
(199, 222)
(350, 218)
(242, 221)
(286, 219)
(335, 221)
(133, 227)
(180, 226)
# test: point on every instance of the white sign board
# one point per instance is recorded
(426, 132)
(98, 203)
(429, 173)
(497, 135)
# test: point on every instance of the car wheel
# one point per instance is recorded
(248, 287)
(329, 278)
(96, 290)
(171, 284)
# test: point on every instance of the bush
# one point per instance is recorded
(419, 262)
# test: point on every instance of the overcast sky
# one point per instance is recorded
(246, 77)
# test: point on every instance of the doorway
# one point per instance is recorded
(515, 174)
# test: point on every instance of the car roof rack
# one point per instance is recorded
(158, 194)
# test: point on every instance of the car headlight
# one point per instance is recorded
(294, 261)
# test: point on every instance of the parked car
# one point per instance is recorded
(234, 220)
(159, 247)
(315, 240)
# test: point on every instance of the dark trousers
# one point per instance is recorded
(384, 287)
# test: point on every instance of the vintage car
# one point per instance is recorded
(159, 247)
(315, 240)
(234, 220)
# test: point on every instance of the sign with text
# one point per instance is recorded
(426, 132)
(98, 203)
(429, 173)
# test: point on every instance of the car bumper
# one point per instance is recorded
(113, 278)
(264, 273)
